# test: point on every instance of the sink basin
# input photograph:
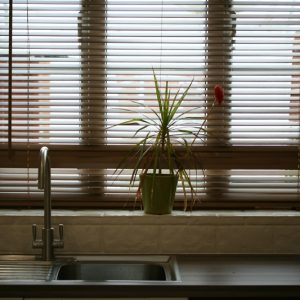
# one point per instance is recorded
(99, 271)
(126, 268)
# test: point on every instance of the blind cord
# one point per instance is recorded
(161, 41)
(10, 62)
(298, 149)
(27, 98)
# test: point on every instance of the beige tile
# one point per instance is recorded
(130, 239)
(287, 239)
(85, 239)
(181, 232)
(187, 239)
(16, 239)
(244, 239)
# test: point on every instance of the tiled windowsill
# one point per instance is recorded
(212, 217)
(90, 232)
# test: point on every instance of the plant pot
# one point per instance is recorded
(158, 193)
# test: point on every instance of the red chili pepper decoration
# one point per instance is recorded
(219, 94)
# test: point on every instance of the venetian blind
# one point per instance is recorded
(77, 66)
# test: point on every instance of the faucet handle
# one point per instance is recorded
(61, 231)
(59, 243)
(35, 242)
(34, 232)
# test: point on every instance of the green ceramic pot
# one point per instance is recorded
(158, 193)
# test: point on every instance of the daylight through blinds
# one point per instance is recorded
(79, 67)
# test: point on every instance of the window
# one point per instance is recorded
(70, 68)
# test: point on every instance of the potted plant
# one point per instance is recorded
(167, 142)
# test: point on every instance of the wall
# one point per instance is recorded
(122, 232)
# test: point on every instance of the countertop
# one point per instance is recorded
(202, 277)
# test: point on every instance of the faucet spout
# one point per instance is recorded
(44, 182)
(47, 243)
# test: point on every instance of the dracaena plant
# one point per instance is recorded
(169, 135)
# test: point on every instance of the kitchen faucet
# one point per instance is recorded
(47, 243)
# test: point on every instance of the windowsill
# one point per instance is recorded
(177, 217)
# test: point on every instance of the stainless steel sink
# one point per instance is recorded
(90, 268)
(98, 271)
(126, 268)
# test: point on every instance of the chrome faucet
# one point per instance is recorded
(47, 243)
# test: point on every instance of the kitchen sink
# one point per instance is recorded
(126, 268)
(98, 271)
(91, 268)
